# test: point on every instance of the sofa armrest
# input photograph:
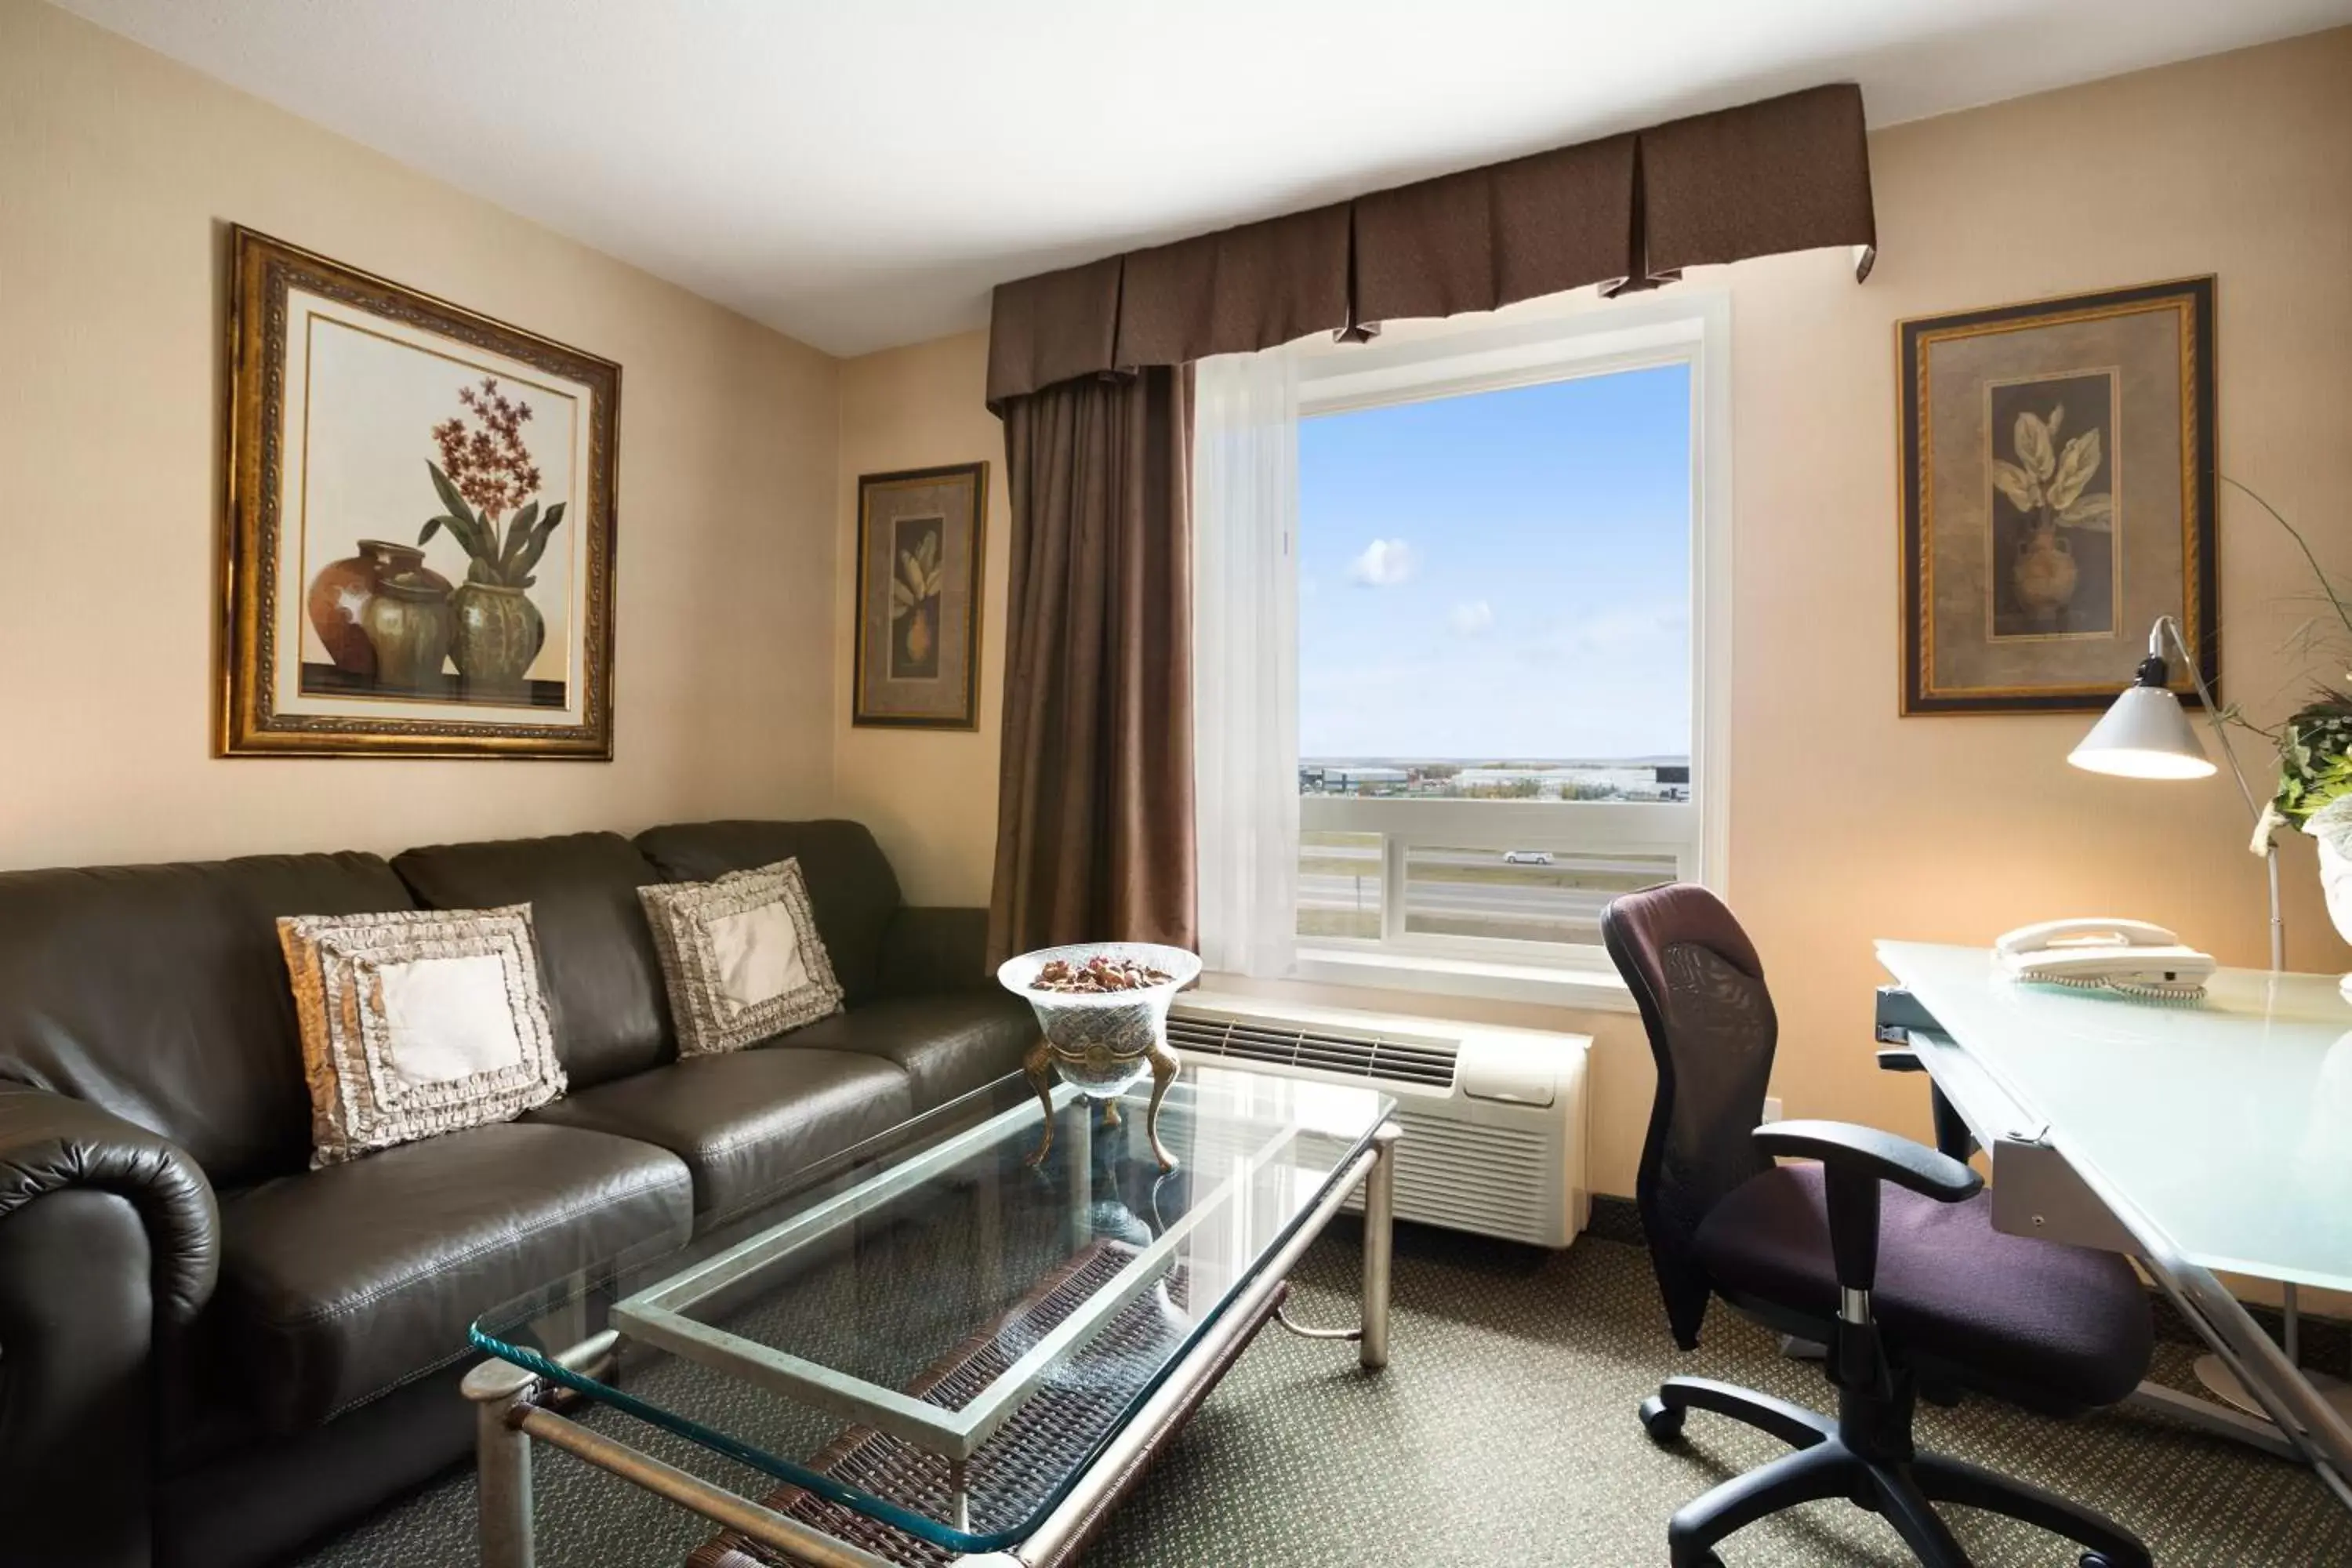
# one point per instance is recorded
(925, 952)
(55, 1143)
(110, 1245)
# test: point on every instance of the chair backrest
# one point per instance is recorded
(1700, 987)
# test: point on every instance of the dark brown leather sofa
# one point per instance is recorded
(211, 1354)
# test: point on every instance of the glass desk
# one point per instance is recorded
(948, 1352)
(2214, 1134)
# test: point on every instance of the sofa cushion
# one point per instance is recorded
(417, 1023)
(341, 1284)
(603, 982)
(949, 1044)
(850, 884)
(159, 992)
(746, 1122)
(741, 957)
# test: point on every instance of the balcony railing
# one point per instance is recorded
(1521, 880)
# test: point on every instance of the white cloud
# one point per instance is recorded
(1384, 563)
(1471, 619)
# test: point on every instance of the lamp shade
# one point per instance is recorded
(2145, 735)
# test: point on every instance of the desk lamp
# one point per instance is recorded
(2145, 735)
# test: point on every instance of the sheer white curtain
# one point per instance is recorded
(1245, 658)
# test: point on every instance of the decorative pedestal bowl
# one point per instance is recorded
(1103, 1042)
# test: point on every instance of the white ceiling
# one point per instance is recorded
(860, 173)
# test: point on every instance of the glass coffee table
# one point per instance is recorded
(946, 1354)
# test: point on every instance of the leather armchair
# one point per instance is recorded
(110, 1246)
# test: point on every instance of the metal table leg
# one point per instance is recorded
(1379, 1184)
(501, 1393)
(1379, 1244)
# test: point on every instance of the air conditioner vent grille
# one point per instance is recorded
(1358, 1054)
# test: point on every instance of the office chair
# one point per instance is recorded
(1883, 1251)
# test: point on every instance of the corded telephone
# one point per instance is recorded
(2131, 956)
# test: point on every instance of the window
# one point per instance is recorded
(1504, 558)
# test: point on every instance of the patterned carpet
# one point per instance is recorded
(1503, 1433)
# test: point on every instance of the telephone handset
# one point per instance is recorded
(2132, 956)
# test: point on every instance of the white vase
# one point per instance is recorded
(2331, 827)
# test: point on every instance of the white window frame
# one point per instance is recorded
(1692, 327)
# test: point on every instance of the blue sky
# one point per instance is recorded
(1505, 575)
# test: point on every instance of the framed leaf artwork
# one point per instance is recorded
(419, 529)
(2058, 479)
(922, 537)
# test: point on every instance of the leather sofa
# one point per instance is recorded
(210, 1354)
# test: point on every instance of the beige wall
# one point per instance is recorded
(928, 794)
(118, 171)
(1847, 822)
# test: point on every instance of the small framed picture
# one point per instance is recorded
(2058, 479)
(419, 536)
(920, 542)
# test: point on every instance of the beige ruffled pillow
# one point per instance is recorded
(417, 1023)
(741, 957)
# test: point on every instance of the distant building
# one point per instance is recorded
(1324, 779)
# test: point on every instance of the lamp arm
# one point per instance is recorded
(2213, 709)
(2246, 790)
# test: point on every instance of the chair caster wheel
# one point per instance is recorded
(1663, 1422)
(2095, 1560)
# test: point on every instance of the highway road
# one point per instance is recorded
(1533, 901)
(1582, 904)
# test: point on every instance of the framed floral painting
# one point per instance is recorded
(419, 523)
(2058, 496)
(922, 537)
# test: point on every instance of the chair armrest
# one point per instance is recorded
(928, 950)
(54, 1144)
(1854, 1161)
(1883, 1156)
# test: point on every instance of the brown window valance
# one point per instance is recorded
(1236, 291)
(1491, 236)
(1786, 173)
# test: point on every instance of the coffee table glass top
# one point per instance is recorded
(942, 1339)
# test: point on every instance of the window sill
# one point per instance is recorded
(1578, 990)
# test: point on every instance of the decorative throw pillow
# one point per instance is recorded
(740, 956)
(417, 1022)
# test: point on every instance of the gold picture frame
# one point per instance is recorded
(922, 539)
(2058, 474)
(467, 468)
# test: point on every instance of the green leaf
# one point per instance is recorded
(519, 529)
(431, 528)
(449, 495)
(537, 547)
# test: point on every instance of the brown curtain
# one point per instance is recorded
(1093, 837)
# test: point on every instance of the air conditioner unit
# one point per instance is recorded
(1493, 1119)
